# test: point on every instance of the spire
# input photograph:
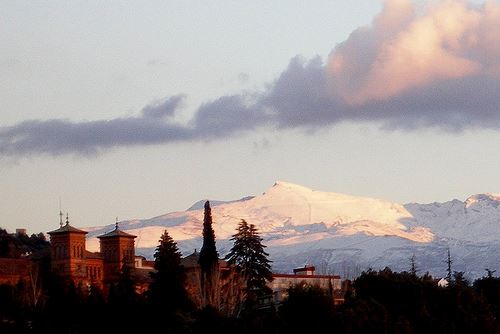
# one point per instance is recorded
(60, 218)
(116, 224)
(67, 218)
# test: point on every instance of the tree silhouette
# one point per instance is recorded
(449, 261)
(209, 262)
(413, 265)
(167, 287)
(248, 255)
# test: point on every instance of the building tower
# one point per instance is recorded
(67, 246)
(117, 250)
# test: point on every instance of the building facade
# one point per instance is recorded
(306, 275)
(72, 261)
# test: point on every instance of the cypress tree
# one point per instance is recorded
(209, 261)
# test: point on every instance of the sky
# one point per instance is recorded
(136, 109)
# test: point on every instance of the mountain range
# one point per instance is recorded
(339, 233)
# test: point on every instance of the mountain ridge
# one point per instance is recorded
(299, 224)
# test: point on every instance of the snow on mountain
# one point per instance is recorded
(340, 233)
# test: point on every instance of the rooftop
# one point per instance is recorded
(67, 228)
(116, 233)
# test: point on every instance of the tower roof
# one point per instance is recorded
(67, 228)
(116, 233)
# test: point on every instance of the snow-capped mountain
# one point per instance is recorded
(340, 233)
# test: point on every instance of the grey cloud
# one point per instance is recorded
(218, 119)
(309, 94)
(163, 108)
(300, 98)
(226, 116)
(57, 137)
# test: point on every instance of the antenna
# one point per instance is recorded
(60, 213)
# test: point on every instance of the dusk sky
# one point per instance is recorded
(136, 109)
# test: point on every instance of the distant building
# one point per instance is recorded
(281, 282)
(230, 285)
(20, 231)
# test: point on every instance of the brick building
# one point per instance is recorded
(14, 270)
(71, 260)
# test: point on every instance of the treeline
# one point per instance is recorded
(379, 302)
(376, 302)
(18, 245)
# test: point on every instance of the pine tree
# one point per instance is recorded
(167, 287)
(248, 255)
(209, 262)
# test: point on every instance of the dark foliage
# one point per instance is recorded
(248, 255)
(167, 288)
(403, 303)
(307, 309)
(18, 245)
(489, 288)
(379, 302)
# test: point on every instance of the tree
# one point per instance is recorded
(248, 255)
(449, 261)
(209, 262)
(413, 265)
(308, 308)
(167, 287)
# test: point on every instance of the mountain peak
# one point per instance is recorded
(289, 185)
(491, 199)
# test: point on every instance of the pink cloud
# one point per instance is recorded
(405, 48)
